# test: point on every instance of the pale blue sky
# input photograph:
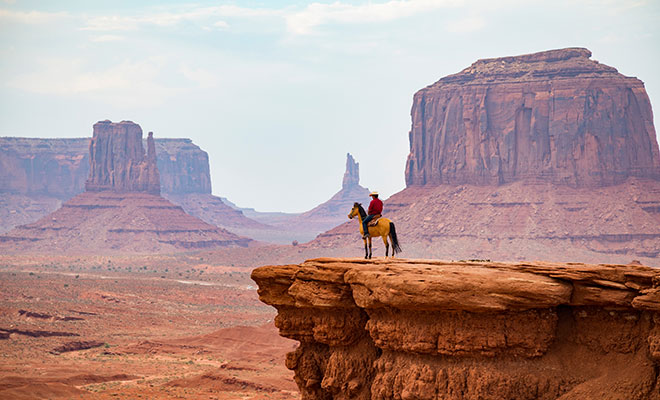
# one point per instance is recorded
(277, 92)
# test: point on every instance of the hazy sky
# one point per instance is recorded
(277, 92)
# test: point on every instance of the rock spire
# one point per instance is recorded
(352, 174)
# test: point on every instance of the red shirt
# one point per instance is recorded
(375, 207)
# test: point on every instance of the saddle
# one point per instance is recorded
(374, 221)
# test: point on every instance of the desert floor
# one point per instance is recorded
(129, 327)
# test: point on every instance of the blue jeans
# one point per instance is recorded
(365, 228)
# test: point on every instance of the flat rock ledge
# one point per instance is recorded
(428, 329)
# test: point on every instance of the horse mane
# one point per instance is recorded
(363, 214)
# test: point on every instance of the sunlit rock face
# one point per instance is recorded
(428, 329)
(555, 116)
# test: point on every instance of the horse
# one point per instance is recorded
(384, 228)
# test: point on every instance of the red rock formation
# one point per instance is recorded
(554, 116)
(520, 221)
(334, 211)
(93, 222)
(285, 228)
(118, 162)
(545, 156)
(423, 329)
(352, 174)
(38, 174)
(44, 167)
(121, 210)
(183, 167)
(58, 168)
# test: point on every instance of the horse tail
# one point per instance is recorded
(395, 241)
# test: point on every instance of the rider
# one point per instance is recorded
(375, 208)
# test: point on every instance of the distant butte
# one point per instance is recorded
(548, 156)
(121, 209)
(555, 116)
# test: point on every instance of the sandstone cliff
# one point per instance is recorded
(554, 116)
(544, 156)
(183, 167)
(59, 167)
(427, 329)
(56, 168)
(118, 162)
(36, 175)
(121, 209)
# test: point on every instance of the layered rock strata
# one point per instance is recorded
(428, 329)
(183, 167)
(58, 168)
(118, 162)
(121, 209)
(521, 221)
(549, 155)
(37, 175)
(118, 222)
(554, 116)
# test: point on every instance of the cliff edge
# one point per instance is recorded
(428, 329)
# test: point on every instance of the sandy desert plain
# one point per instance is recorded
(141, 327)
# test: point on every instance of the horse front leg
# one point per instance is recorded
(366, 251)
(370, 247)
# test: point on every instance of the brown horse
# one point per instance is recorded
(384, 228)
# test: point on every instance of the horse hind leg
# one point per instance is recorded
(387, 246)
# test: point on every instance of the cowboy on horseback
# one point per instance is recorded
(375, 210)
(382, 227)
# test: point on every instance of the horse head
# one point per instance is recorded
(354, 211)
